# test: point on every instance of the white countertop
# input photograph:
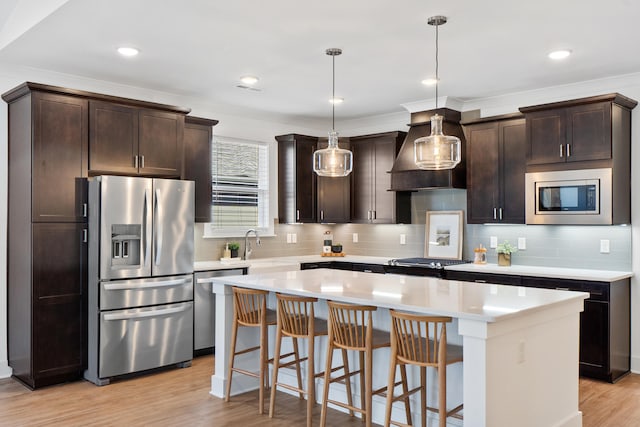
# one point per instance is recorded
(225, 265)
(463, 300)
(553, 272)
(521, 270)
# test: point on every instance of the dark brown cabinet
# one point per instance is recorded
(198, 134)
(605, 340)
(582, 130)
(334, 193)
(129, 140)
(371, 200)
(47, 232)
(59, 150)
(496, 165)
(296, 179)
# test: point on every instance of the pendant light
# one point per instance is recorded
(333, 161)
(437, 151)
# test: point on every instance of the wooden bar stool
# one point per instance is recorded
(351, 328)
(421, 341)
(250, 309)
(296, 319)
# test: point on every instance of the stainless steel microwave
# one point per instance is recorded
(580, 196)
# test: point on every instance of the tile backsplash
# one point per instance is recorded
(552, 246)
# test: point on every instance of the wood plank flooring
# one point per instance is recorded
(179, 397)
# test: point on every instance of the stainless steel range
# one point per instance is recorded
(140, 299)
(432, 267)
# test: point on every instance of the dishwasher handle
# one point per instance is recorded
(144, 285)
(144, 314)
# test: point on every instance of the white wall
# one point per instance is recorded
(265, 129)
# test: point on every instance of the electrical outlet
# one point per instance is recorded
(522, 243)
(294, 238)
(289, 237)
(355, 237)
(493, 241)
(403, 239)
(604, 246)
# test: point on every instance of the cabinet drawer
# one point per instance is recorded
(368, 268)
(598, 291)
(500, 279)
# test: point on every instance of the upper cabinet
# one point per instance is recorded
(58, 160)
(334, 193)
(371, 200)
(496, 163)
(296, 179)
(587, 130)
(198, 134)
(130, 140)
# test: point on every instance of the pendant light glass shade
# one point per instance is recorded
(333, 161)
(437, 151)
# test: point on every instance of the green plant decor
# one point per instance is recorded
(234, 246)
(506, 248)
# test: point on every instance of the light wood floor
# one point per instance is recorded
(179, 397)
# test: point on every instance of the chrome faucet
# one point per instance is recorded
(247, 245)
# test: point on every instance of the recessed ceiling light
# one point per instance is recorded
(249, 80)
(560, 54)
(128, 51)
(336, 100)
(430, 81)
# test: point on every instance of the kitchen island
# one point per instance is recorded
(520, 344)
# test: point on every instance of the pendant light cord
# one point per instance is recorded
(333, 96)
(437, 79)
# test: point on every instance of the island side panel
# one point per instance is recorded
(523, 371)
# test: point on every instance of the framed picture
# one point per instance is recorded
(443, 235)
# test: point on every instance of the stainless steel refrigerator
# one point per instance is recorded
(140, 298)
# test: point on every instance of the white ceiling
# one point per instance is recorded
(200, 48)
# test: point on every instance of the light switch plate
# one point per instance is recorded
(604, 246)
(522, 243)
(355, 237)
(403, 239)
(294, 238)
(493, 241)
(289, 238)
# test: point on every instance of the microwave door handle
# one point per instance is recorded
(158, 226)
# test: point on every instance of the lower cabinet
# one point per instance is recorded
(47, 318)
(605, 338)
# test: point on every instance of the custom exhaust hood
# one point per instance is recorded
(406, 176)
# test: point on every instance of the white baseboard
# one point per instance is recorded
(5, 369)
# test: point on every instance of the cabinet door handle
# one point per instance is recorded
(561, 150)
(142, 162)
(297, 214)
(321, 215)
(375, 215)
(480, 281)
(500, 213)
(563, 289)
(568, 150)
(495, 213)
(85, 235)
(135, 162)
(369, 215)
(84, 210)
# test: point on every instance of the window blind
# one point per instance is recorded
(239, 184)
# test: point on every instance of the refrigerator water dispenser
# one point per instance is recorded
(125, 245)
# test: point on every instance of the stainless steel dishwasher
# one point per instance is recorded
(204, 308)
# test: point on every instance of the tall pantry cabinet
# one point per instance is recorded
(47, 249)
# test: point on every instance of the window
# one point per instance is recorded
(239, 188)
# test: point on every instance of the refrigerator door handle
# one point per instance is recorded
(144, 285)
(145, 224)
(157, 227)
(141, 315)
